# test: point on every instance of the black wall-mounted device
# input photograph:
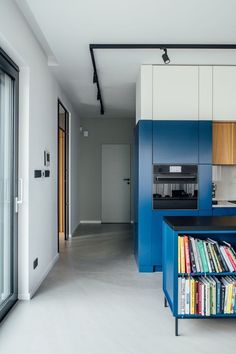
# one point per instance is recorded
(37, 173)
(35, 263)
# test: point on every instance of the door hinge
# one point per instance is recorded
(19, 199)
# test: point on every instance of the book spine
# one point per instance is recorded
(192, 257)
(221, 259)
(203, 257)
(208, 299)
(196, 311)
(179, 254)
(214, 257)
(218, 258)
(187, 296)
(222, 298)
(232, 255)
(207, 257)
(199, 297)
(187, 257)
(182, 296)
(227, 251)
(210, 257)
(179, 294)
(192, 296)
(182, 256)
(224, 254)
(196, 256)
(218, 297)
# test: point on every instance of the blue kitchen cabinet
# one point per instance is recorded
(205, 142)
(205, 187)
(175, 142)
(224, 211)
(143, 187)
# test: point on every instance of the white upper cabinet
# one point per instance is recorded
(205, 92)
(224, 93)
(175, 92)
(144, 93)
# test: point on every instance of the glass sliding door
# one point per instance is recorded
(8, 183)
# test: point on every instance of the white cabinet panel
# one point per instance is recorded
(224, 93)
(175, 92)
(144, 93)
(205, 92)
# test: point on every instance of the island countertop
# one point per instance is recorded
(203, 223)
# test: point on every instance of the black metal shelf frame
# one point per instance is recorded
(161, 46)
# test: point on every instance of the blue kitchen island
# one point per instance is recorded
(217, 228)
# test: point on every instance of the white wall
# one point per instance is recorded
(39, 92)
(225, 179)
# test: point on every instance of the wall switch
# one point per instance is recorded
(47, 173)
(37, 173)
(35, 263)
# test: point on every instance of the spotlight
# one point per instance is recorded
(165, 57)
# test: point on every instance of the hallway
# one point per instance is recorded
(95, 302)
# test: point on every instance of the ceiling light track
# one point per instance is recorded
(162, 47)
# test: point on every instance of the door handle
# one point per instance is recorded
(126, 179)
(19, 199)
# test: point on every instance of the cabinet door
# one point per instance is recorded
(224, 211)
(175, 142)
(224, 143)
(205, 187)
(205, 92)
(144, 194)
(224, 93)
(144, 93)
(175, 92)
(205, 142)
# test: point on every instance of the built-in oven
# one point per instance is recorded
(175, 186)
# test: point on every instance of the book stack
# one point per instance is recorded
(206, 295)
(205, 256)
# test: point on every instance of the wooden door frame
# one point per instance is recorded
(66, 172)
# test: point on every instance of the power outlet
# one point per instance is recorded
(35, 263)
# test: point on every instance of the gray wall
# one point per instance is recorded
(101, 131)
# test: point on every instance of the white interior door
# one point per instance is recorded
(115, 183)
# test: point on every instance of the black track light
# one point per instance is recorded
(165, 57)
(95, 79)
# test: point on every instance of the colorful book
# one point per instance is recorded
(203, 256)
(196, 256)
(192, 256)
(227, 261)
(182, 253)
(187, 255)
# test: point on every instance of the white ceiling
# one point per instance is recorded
(65, 29)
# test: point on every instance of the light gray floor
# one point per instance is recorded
(98, 229)
(95, 302)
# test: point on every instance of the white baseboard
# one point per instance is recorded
(90, 222)
(29, 295)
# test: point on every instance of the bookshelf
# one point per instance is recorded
(218, 229)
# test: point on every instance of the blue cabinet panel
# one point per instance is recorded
(175, 142)
(205, 142)
(144, 191)
(205, 187)
(157, 225)
(205, 212)
(224, 211)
